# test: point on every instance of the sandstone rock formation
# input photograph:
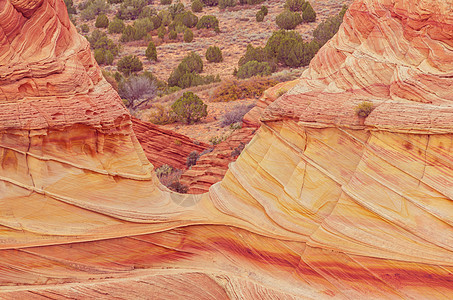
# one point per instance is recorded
(163, 146)
(317, 205)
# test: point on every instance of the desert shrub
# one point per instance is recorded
(210, 2)
(147, 12)
(131, 9)
(175, 9)
(264, 10)
(178, 187)
(172, 35)
(129, 64)
(192, 159)
(288, 20)
(84, 28)
(93, 9)
(166, 2)
(156, 20)
(165, 17)
(187, 19)
(142, 27)
(103, 56)
(70, 6)
(235, 115)
(214, 54)
(161, 32)
(151, 51)
(116, 26)
(227, 3)
(189, 108)
(197, 6)
(238, 150)
(250, 2)
(208, 21)
(137, 87)
(192, 63)
(161, 115)
(129, 34)
(309, 14)
(253, 68)
(215, 140)
(294, 5)
(99, 41)
(328, 28)
(102, 21)
(260, 16)
(363, 109)
(258, 54)
(188, 35)
(163, 170)
(231, 90)
(114, 1)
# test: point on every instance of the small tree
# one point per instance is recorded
(102, 21)
(192, 159)
(309, 14)
(253, 68)
(129, 64)
(214, 54)
(288, 20)
(264, 10)
(151, 51)
(294, 5)
(190, 108)
(172, 35)
(188, 35)
(208, 21)
(161, 32)
(260, 16)
(197, 6)
(116, 26)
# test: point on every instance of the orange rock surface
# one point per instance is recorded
(317, 206)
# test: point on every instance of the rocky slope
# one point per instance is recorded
(317, 205)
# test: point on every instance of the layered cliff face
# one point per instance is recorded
(318, 205)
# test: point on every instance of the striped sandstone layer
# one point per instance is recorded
(317, 205)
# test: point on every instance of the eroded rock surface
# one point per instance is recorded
(317, 205)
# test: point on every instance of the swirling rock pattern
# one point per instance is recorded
(317, 206)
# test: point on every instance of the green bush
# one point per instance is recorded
(70, 6)
(253, 68)
(129, 34)
(108, 57)
(129, 64)
(166, 2)
(288, 20)
(328, 28)
(197, 6)
(142, 28)
(192, 159)
(114, 1)
(188, 36)
(99, 40)
(116, 26)
(151, 51)
(294, 5)
(131, 9)
(165, 17)
(161, 32)
(156, 20)
(190, 108)
(214, 54)
(147, 12)
(192, 63)
(260, 16)
(210, 2)
(250, 2)
(264, 10)
(93, 9)
(102, 21)
(208, 21)
(172, 35)
(84, 28)
(227, 3)
(175, 9)
(309, 14)
(187, 19)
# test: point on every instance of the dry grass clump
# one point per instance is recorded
(235, 115)
(231, 90)
(160, 114)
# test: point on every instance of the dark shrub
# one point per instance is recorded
(288, 20)
(84, 28)
(166, 2)
(197, 6)
(260, 16)
(187, 19)
(129, 34)
(264, 10)
(131, 9)
(151, 51)
(172, 35)
(364, 108)
(70, 6)
(188, 35)
(227, 3)
(192, 159)
(208, 21)
(161, 32)
(189, 108)
(93, 9)
(178, 187)
(308, 14)
(116, 26)
(294, 5)
(328, 28)
(129, 64)
(253, 68)
(214, 54)
(102, 21)
(210, 2)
